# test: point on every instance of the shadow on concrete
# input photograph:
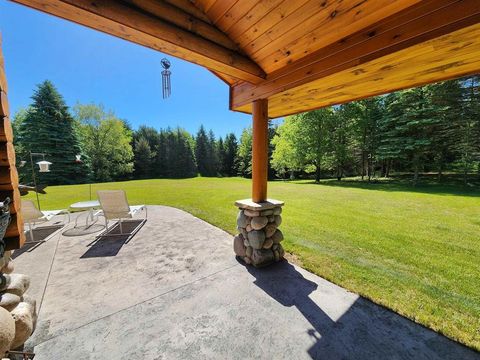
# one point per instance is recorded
(364, 331)
(110, 242)
(105, 246)
(40, 235)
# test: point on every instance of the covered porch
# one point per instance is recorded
(169, 293)
(175, 292)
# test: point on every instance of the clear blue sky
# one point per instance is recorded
(89, 66)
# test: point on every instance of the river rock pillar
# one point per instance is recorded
(258, 241)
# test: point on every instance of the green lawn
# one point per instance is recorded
(414, 250)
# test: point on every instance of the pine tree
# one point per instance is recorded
(415, 126)
(48, 128)
(468, 126)
(184, 155)
(202, 151)
(446, 100)
(213, 160)
(161, 157)
(143, 158)
(221, 155)
(230, 150)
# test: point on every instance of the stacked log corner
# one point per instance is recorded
(259, 238)
(14, 237)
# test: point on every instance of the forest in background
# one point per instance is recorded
(434, 128)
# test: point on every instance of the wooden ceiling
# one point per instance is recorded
(301, 54)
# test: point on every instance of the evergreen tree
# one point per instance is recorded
(183, 159)
(446, 102)
(47, 127)
(146, 138)
(412, 125)
(230, 152)
(161, 159)
(213, 162)
(391, 143)
(148, 133)
(221, 155)
(202, 152)
(143, 158)
(468, 127)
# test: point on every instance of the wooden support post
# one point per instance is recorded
(260, 150)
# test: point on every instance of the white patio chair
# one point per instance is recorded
(115, 206)
(31, 215)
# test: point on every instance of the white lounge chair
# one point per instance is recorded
(31, 215)
(115, 206)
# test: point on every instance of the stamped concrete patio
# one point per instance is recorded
(175, 291)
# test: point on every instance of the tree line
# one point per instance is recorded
(430, 128)
(88, 143)
(433, 128)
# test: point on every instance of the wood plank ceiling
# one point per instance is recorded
(301, 54)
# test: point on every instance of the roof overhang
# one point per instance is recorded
(300, 55)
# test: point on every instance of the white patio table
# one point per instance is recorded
(89, 227)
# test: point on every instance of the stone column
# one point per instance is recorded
(17, 310)
(258, 241)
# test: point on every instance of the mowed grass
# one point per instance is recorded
(413, 250)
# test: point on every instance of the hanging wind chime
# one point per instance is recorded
(166, 85)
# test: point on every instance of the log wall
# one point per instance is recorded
(14, 237)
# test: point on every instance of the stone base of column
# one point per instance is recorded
(258, 241)
(18, 314)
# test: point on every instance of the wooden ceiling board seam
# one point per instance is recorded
(373, 30)
(251, 18)
(234, 14)
(295, 19)
(219, 9)
(289, 53)
(276, 16)
(190, 8)
(311, 16)
(204, 5)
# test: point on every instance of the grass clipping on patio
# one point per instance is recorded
(413, 250)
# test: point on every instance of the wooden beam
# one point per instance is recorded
(119, 19)
(190, 8)
(180, 18)
(451, 56)
(260, 150)
(427, 20)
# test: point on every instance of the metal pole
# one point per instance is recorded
(34, 180)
